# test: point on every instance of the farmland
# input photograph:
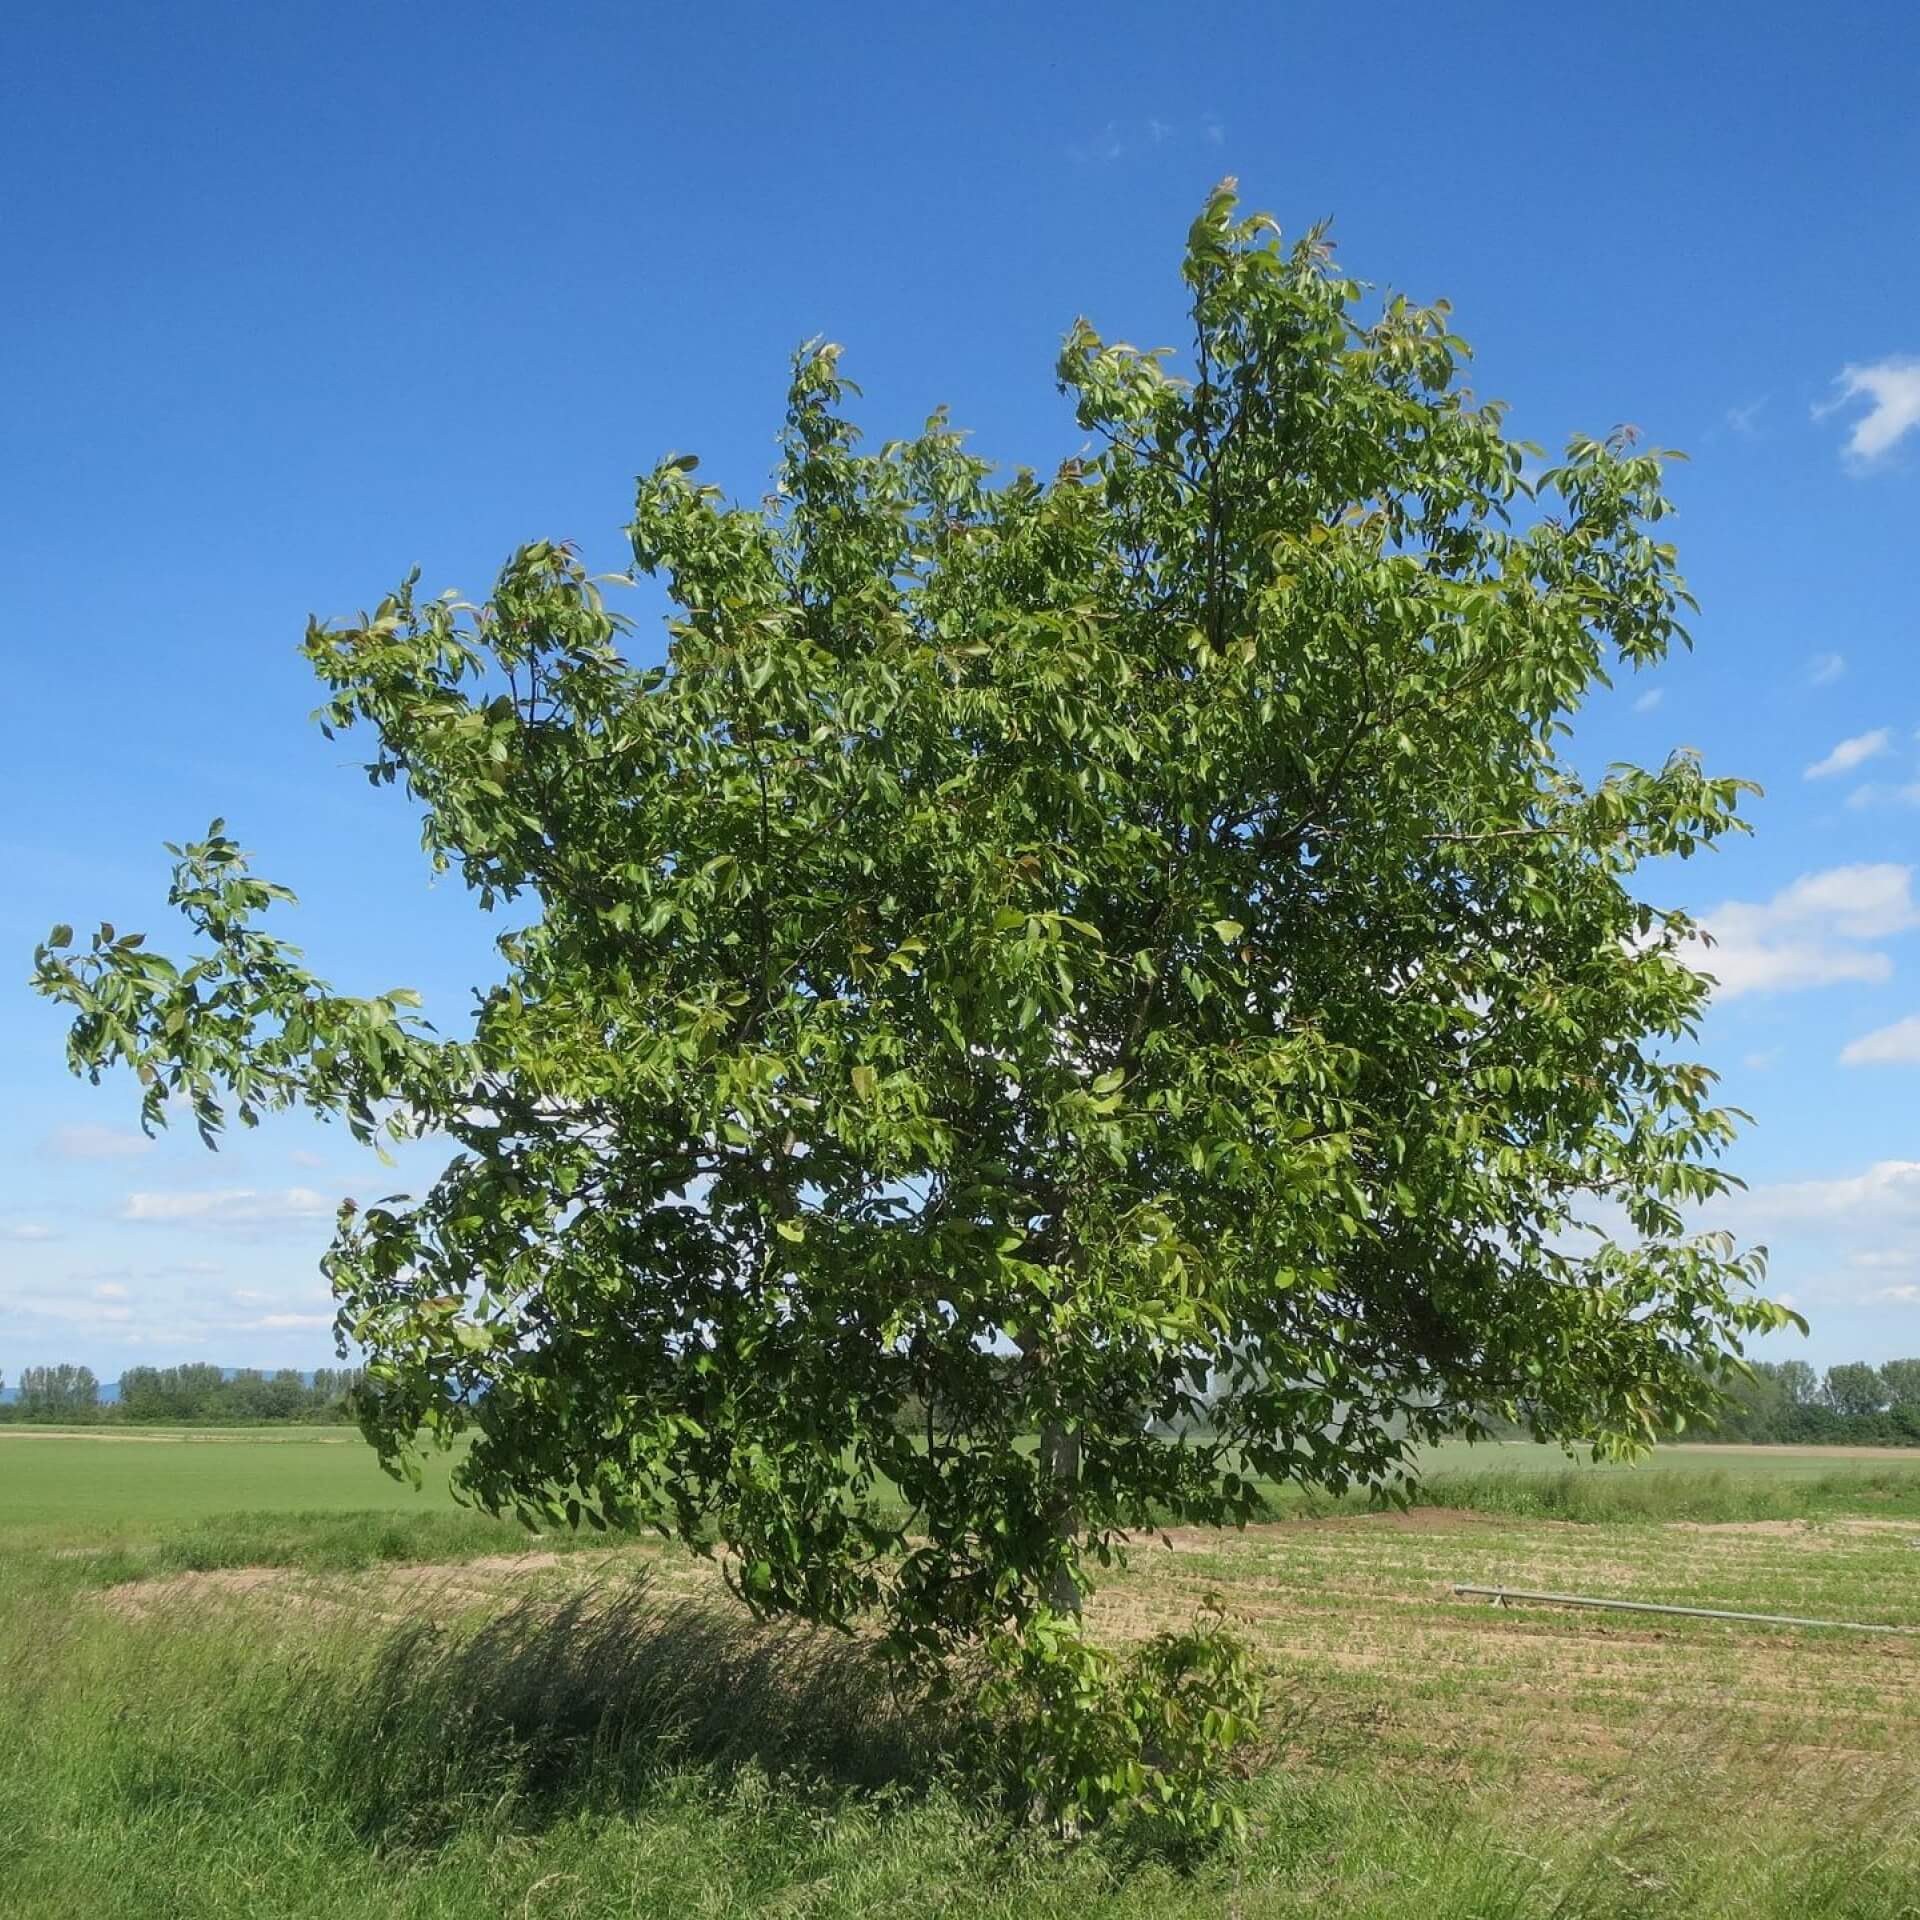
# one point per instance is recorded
(249, 1674)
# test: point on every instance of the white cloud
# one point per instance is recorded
(1906, 1296)
(1809, 934)
(289, 1320)
(302, 1158)
(1741, 419)
(1880, 1259)
(1852, 753)
(110, 1290)
(1892, 386)
(1894, 1046)
(78, 1313)
(229, 1206)
(96, 1143)
(1759, 1062)
(1825, 668)
(1887, 1193)
(1844, 1242)
(27, 1230)
(1649, 700)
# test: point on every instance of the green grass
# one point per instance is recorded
(351, 1739)
(132, 1487)
(59, 1487)
(620, 1756)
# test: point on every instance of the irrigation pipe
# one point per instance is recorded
(1503, 1596)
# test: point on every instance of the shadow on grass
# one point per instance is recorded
(541, 1712)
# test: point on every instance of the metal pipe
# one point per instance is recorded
(1502, 1595)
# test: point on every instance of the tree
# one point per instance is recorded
(1756, 1407)
(52, 1393)
(1798, 1382)
(1855, 1389)
(1056, 955)
(1900, 1380)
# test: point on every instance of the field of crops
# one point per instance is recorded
(247, 1674)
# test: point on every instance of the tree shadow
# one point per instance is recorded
(542, 1710)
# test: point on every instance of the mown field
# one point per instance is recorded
(247, 1674)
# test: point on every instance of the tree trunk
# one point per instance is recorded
(1060, 1466)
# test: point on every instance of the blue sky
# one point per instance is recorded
(303, 296)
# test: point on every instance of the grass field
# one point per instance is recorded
(247, 1674)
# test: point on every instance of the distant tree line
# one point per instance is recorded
(55, 1393)
(194, 1395)
(1854, 1404)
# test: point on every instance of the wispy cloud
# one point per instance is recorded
(1649, 700)
(1894, 1046)
(1852, 1239)
(271, 1321)
(27, 1230)
(1879, 794)
(1851, 753)
(1825, 668)
(1107, 145)
(1813, 933)
(1741, 419)
(1884, 1259)
(96, 1143)
(1891, 388)
(1118, 138)
(228, 1207)
(110, 1290)
(76, 1313)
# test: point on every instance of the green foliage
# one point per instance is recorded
(1901, 1381)
(1855, 1389)
(1139, 921)
(57, 1393)
(1856, 1404)
(200, 1394)
(194, 1395)
(1084, 1733)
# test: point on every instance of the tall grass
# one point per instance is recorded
(1680, 1493)
(1580, 1493)
(606, 1753)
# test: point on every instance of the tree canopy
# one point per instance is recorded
(1121, 956)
